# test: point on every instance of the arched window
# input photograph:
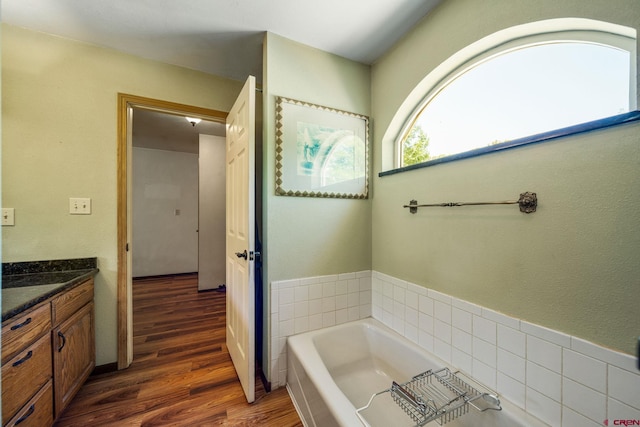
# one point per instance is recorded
(526, 86)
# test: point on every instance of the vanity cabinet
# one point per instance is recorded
(47, 354)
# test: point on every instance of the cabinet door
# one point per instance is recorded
(73, 355)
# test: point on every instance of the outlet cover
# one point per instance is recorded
(79, 206)
(8, 216)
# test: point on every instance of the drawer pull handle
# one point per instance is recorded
(64, 341)
(30, 412)
(24, 359)
(20, 325)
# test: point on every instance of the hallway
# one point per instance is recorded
(182, 373)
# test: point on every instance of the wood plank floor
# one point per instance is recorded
(182, 374)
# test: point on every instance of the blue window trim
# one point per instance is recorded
(619, 119)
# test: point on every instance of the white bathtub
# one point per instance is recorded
(334, 371)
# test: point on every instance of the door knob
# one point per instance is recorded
(242, 254)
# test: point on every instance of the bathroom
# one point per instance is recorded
(571, 267)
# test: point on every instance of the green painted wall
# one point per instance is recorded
(307, 236)
(59, 118)
(572, 266)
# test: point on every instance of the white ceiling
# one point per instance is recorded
(221, 37)
(163, 131)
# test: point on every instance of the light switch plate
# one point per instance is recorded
(79, 206)
(8, 216)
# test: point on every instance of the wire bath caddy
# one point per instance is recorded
(437, 395)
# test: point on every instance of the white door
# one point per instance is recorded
(211, 212)
(240, 171)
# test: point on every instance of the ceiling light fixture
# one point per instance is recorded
(193, 120)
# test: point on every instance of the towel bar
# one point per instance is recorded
(528, 203)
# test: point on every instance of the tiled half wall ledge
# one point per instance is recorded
(563, 380)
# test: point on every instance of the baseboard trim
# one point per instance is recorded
(105, 369)
(266, 384)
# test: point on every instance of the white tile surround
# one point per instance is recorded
(311, 303)
(563, 380)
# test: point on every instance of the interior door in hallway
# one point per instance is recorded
(240, 229)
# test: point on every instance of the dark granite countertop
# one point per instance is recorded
(25, 284)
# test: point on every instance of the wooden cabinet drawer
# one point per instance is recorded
(71, 301)
(37, 412)
(19, 332)
(24, 375)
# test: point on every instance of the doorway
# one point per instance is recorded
(126, 106)
(178, 197)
